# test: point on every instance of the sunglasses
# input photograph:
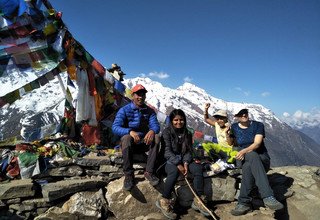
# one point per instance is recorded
(141, 93)
(218, 117)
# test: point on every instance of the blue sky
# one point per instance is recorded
(265, 52)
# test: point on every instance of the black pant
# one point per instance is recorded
(254, 168)
(173, 174)
(129, 148)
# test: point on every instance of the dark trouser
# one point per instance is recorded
(173, 174)
(254, 168)
(129, 148)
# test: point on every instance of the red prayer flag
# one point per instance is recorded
(98, 67)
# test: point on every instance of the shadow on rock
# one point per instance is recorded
(138, 195)
(280, 185)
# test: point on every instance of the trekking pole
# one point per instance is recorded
(195, 195)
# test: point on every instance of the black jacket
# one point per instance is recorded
(172, 153)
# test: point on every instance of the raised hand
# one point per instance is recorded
(207, 106)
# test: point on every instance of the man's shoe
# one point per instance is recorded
(166, 208)
(153, 180)
(196, 205)
(128, 182)
(241, 209)
(272, 203)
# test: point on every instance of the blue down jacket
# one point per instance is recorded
(132, 118)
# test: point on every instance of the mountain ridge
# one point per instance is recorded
(44, 106)
(286, 145)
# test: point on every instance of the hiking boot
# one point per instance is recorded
(272, 203)
(241, 209)
(128, 182)
(153, 180)
(196, 205)
(166, 207)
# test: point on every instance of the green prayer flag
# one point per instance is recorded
(12, 96)
(89, 57)
(28, 87)
(28, 158)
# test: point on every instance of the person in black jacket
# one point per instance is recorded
(177, 140)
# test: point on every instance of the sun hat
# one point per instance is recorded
(220, 112)
(137, 88)
(241, 112)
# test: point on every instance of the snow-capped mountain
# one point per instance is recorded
(44, 106)
(307, 123)
(192, 99)
(286, 145)
(40, 108)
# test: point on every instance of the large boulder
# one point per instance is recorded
(302, 198)
(140, 201)
(217, 188)
(87, 203)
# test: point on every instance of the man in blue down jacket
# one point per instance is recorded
(138, 126)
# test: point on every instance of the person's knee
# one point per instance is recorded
(155, 146)
(157, 140)
(125, 141)
(173, 174)
(126, 137)
(252, 156)
(196, 169)
(172, 171)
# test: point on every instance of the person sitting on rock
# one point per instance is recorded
(221, 149)
(248, 135)
(138, 126)
(177, 140)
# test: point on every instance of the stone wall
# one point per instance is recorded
(91, 188)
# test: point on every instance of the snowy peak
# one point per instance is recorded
(190, 87)
(192, 99)
(151, 86)
(285, 145)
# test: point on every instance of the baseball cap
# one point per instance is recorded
(241, 112)
(137, 88)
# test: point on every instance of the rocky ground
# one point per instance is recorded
(296, 187)
(91, 188)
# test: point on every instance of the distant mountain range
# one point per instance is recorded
(306, 122)
(311, 130)
(44, 106)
